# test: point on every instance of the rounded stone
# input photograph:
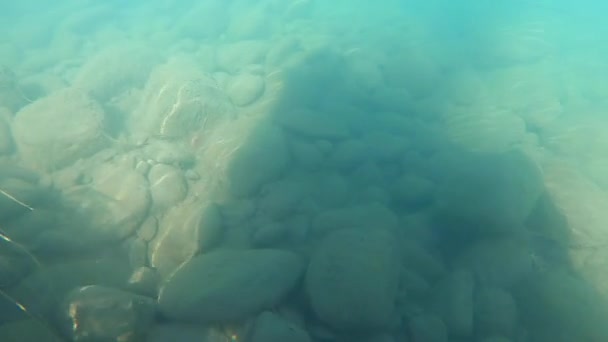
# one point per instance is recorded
(246, 89)
(229, 285)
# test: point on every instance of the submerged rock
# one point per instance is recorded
(229, 285)
(270, 327)
(352, 279)
(488, 194)
(186, 230)
(98, 313)
(58, 129)
(246, 89)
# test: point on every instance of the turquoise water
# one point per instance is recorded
(306, 170)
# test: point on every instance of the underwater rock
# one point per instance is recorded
(314, 124)
(487, 194)
(148, 229)
(270, 327)
(145, 281)
(261, 160)
(168, 152)
(269, 234)
(202, 21)
(15, 263)
(114, 203)
(331, 190)
(6, 137)
(350, 153)
(352, 279)
(282, 51)
(454, 302)
(420, 259)
(228, 285)
(21, 197)
(179, 99)
(42, 290)
(417, 73)
(496, 339)
(99, 313)
(281, 199)
(236, 56)
(485, 128)
(184, 231)
(97, 207)
(384, 146)
(258, 22)
(368, 215)
(58, 129)
(245, 89)
(179, 332)
(413, 285)
(559, 303)
(496, 313)
(167, 186)
(501, 263)
(428, 328)
(306, 155)
(115, 70)
(28, 330)
(137, 252)
(413, 191)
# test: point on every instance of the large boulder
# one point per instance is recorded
(488, 193)
(261, 160)
(103, 313)
(178, 99)
(114, 70)
(58, 129)
(352, 279)
(229, 285)
(246, 88)
(107, 209)
(185, 230)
